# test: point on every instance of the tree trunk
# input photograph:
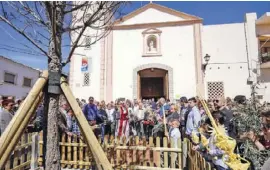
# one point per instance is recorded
(53, 158)
(55, 12)
(45, 124)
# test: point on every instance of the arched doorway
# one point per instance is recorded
(153, 81)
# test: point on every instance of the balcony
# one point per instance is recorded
(265, 60)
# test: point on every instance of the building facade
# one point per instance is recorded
(163, 56)
(16, 79)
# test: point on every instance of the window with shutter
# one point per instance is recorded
(86, 79)
(215, 90)
(27, 82)
(9, 78)
(87, 42)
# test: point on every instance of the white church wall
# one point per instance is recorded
(177, 49)
(77, 77)
(147, 17)
(228, 63)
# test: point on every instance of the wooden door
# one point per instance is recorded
(151, 87)
(138, 86)
(166, 84)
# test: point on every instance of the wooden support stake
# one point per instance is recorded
(20, 120)
(21, 125)
(92, 142)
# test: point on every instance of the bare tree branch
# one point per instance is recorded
(24, 35)
(77, 7)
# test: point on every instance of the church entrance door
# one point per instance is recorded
(152, 83)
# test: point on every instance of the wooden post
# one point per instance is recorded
(13, 132)
(69, 152)
(35, 149)
(20, 123)
(157, 157)
(144, 153)
(118, 154)
(40, 159)
(63, 151)
(165, 145)
(87, 158)
(90, 138)
(151, 144)
(75, 151)
(81, 154)
(23, 150)
(180, 154)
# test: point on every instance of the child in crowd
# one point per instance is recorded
(215, 153)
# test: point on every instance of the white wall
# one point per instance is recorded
(227, 47)
(150, 16)
(76, 78)
(265, 77)
(177, 48)
(17, 90)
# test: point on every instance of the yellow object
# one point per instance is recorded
(195, 138)
(204, 140)
(225, 143)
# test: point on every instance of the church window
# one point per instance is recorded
(86, 79)
(87, 42)
(151, 42)
(215, 90)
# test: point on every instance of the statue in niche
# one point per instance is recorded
(152, 44)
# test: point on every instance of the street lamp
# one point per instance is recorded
(206, 59)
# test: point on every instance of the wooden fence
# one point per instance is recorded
(24, 156)
(195, 160)
(134, 154)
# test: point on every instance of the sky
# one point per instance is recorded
(212, 13)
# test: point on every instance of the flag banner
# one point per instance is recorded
(84, 67)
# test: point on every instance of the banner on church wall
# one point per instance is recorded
(86, 64)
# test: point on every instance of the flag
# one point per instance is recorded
(84, 67)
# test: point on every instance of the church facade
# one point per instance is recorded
(157, 52)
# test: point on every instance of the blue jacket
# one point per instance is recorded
(90, 112)
(166, 107)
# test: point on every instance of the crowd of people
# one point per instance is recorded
(146, 118)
